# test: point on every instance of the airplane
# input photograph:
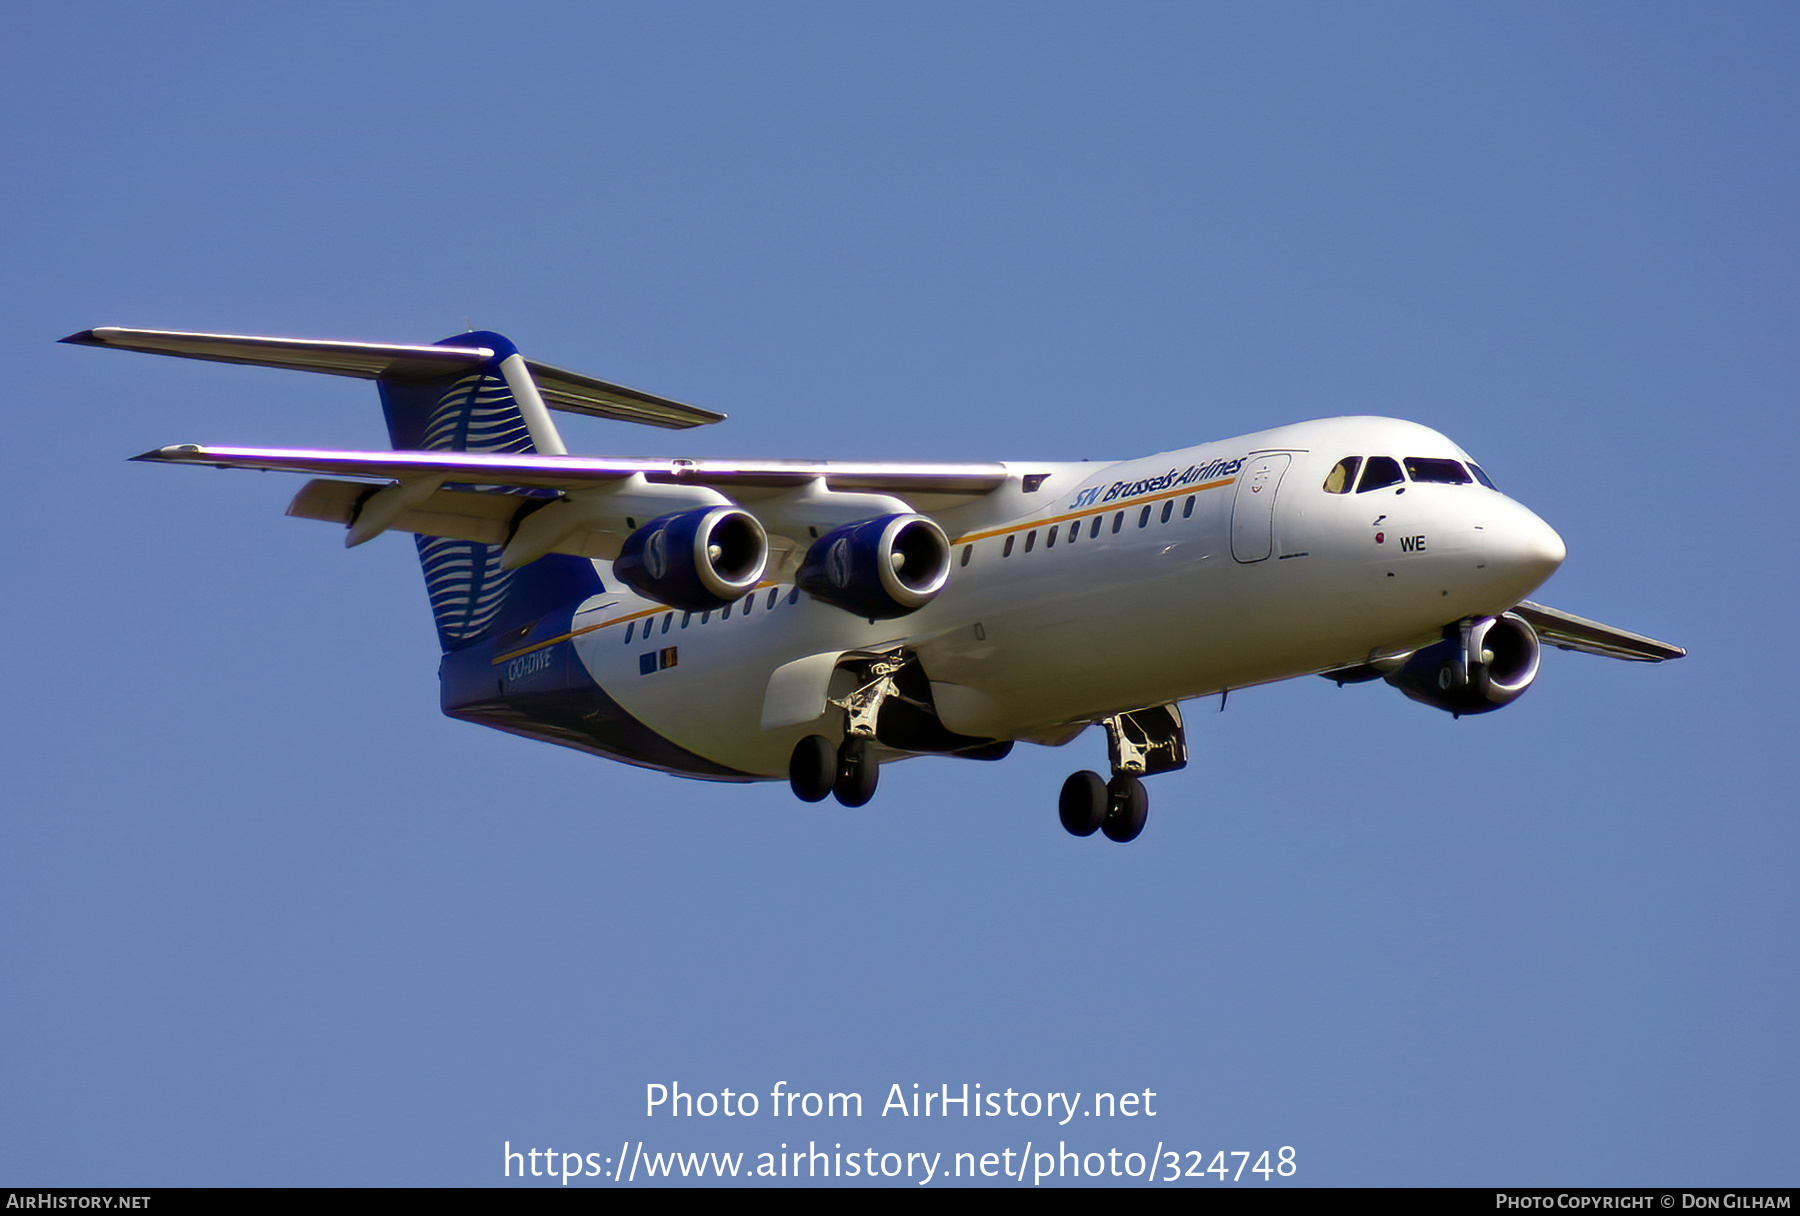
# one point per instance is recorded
(760, 620)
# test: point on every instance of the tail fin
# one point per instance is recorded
(492, 407)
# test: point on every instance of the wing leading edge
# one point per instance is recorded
(573, 473)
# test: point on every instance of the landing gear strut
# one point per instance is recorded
(857, 772)
(1138, 744)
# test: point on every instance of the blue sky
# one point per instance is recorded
(269, 918)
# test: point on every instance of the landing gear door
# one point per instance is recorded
(1253, 512)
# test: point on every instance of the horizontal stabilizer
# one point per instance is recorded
(1570, 632)
(561, 390)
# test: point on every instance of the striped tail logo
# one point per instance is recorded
(475, 411)
(477, 414)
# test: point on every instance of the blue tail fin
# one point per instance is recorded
(481, 411)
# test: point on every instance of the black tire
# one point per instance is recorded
(857, 773)
(812, 770)
(1127, 811)
(1083, 803)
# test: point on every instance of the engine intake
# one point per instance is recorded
(878, 568)
(695, 560)
(1482, 665)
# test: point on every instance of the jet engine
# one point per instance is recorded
(878, 568)
(1480, 665)
(695, 560)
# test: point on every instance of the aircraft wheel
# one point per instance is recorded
(1127, 810)
(857, 773)
(813, 768)
(1083, 803)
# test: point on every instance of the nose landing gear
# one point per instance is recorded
(1083, 803)
(1138, 744)
(1090, 804)
(1127, 809)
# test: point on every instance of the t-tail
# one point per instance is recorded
(472, 392)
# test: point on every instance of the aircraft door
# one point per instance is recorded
(1253, 512)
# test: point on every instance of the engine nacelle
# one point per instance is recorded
(1484, 664)
(878, 568)
(695, 560)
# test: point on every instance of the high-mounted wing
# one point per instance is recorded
(586, 506)
(561, 390)
(570, 473)
(1570, 632)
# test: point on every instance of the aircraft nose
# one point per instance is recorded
(1526, 548)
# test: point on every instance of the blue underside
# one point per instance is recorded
(547, 694)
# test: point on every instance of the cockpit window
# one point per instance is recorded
(1481, 476)
(1342, 476)
(1427, 468)
(1380, 473)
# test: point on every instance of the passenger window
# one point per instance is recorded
(1426, 468)
(1144, 516)
(1074, 531)
(1007, 551)
(667, 621)
(774, 594)
(685, 618)
(1342, 475)
(1050, 540)
(968, 552)
(706, 617)
(1095, 530)
(1118, 522)
(1380, 473)
(1188, 509)
(1030, 539)
(725, 614)
(1481, 476)
(793, 597)
(1168, 510)
(628, 632)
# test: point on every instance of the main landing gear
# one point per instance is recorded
(849, 769)
(820, 768)
(892, 696)
(1138, 744)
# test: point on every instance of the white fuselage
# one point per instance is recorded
(1109, 588)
